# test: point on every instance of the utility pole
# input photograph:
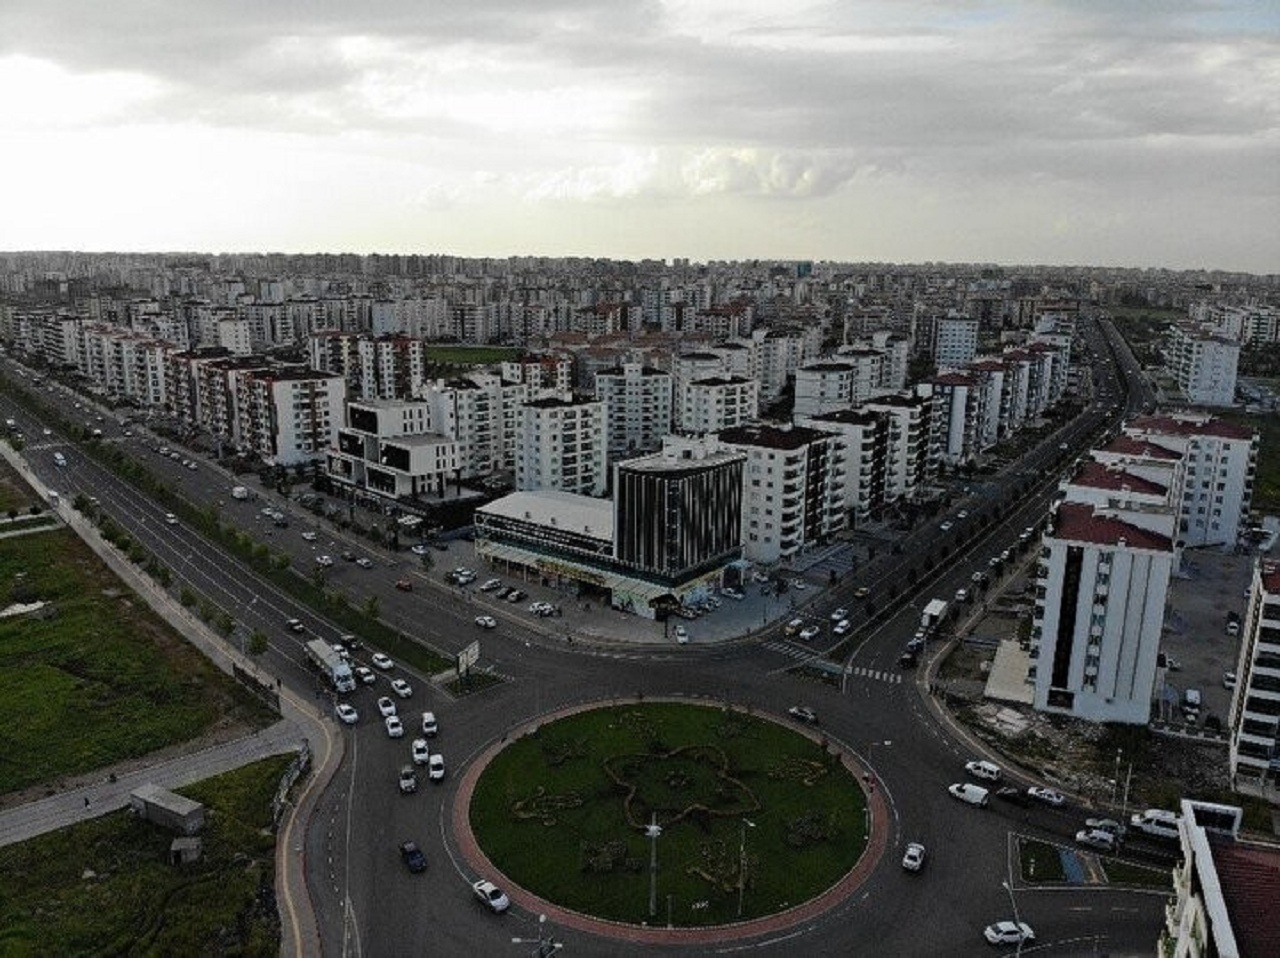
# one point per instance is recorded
(652, 831)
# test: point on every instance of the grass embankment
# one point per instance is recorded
(561, 811)
(105, 887)
(94, 677)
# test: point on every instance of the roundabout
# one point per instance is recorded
(760, 824)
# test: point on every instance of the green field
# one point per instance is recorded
(1041, 862)
(104, 887)
(1266, 485)
(561, 812)
(95, 677)
(1124, 873)
(470, 355)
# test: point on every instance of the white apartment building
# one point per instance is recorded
(1203, 364)
(1220, 461)
(1099, 610)
(841, 383)
(716, 402)
(911, 458)
(482, 413)
(793, 488)
(866, 460)
(391, 367)
(1255, 707)
(561, 445)
(960, 412)
(387, 449)
(287, 416)
(955, 341)
(554, 373)
(637, 401)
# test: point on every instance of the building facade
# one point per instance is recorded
(1255, 706)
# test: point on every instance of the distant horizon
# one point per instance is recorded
(896, 131)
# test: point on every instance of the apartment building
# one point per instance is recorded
(793, 488)
(841, 383)
(960, 401)
(538, 373)
(1203, 364)
(1220, 460)
(561, 445)
(1102, 580)
(482, 413)
(714, 403)
(386, 449)
(637, 401)
(286, 416)
(1254, 753)
(955, 341)
(866, 455)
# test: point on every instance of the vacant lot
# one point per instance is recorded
(562, 812)
(104, 887)
(14, 492)
(94, 677)
(470, 355)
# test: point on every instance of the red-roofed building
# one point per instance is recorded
(1095, 637)
(1255, 708)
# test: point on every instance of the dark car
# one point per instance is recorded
(1014, 796)
(414, 860)
(908, 660)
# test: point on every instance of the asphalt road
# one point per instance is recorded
(367, 903)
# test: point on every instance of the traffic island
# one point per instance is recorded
(758, 824)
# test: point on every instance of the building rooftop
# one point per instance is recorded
(556, 402)
(853, 417)
(418, 439)
(720, 381)
(1249, 876)
(1097, 475)
(700, 357)
(952, 379)
(768, 435)
(1175, 425)
(582, 515)
(675, 461)
(1128, 446)
(1080, 522)
(828, 365)
(1271, 575)
(644, 371)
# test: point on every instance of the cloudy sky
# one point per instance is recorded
(1125, 132)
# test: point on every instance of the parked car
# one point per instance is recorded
(309, 536)
(810, 632)
(324, 561)
(491, 895)
(861, 592)
(429, 725)
(840, 613)
(1096, 838)
(490, 584)
(793, 627)
(404, 585)
(1106, 825)
(1013, 795)
(364, 562)
(804, 714)
(413, 858)
(969, 793)
(682, 635)
(843, 627)
(732, 593)
(913, 858)
(517, 595)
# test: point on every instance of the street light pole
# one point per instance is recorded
(742, 862)
(652, 831)
(1016, 920)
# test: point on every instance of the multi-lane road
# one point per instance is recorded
(367, 903)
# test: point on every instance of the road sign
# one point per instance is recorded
(469, 656)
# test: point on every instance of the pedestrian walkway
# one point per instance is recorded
(111, 792)
(789, 650)
(876, 675)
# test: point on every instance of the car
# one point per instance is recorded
(386, 706)
(294, 625)
(309, 536)
(908, 659)
(419, 548)
(758, 576)
(394, 728)
(810, 632)
(946, 526)
(347, 714)
(804, 714)
(736, 594)
(916, 643)
(840, 613)
(324, 561)
(1008, 933)
(1096, 838)
(541, 608)
(347, 555)
(994, 561)
(799, 585)
(429, 724)
(861, 592)
(408, 780)
(491, 895)
(517, 595)
(486, 622)
(962, 514)
(913, 858)
(490, 584)
(983, 769)
(1004, 556)
(46, 431)
(421, 752)
(365, 674)
(970, 793)
(1228, 680)
(413, 858)
(401, 688)
(364, 562)
(1046, 795)
(170, 518)
(794, 626)
(1106, 825)
(435, 767)
(1013, 795)
(978, 577)
(843, 627)
(962, 595)
(382, 661)
(404, 585)
(682, 635)
(342, 651)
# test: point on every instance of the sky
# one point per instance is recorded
(1095, 132)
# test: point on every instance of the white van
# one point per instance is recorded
(59, 459)
(983, 769)
(1157, 822)
(972, 794)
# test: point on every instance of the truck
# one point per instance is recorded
(239, 492)
(933, 614)
(326, 660)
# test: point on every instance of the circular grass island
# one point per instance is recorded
(755, 818)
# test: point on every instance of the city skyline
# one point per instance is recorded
(1069, 133)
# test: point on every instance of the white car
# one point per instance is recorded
(394, 728)
(843, 627)
(969, 793)
(401, 688)
(799, 585)
(1096, 838)
(490, 584)
(983, 769)
(435, 767)
(491, 895)
(682, 635)
(1008, 933)
(913, 860)
(486, 622)
(840, 613)
(382, 661)
(735, 594)
(346, 714)
(386, 706)
(946, 526)
(170, 518)
(429, 725)
(324, 561)
(309, 536)
(364, 562)
(810, 632)
(365, 674)
(1046, 795)
(421, 752)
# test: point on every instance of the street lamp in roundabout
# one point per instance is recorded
(742, 862)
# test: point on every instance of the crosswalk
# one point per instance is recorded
(877, 675)
(793, 651)
(860, 672)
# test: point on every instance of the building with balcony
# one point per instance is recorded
(1255, 707)
(955, 341)
(866, 455)
(561, 445)
(386, 449)
(288, 416)
(1203, 363)
(716, 402)
(637, 402)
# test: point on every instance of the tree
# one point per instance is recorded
(371, 606)
(257, 643)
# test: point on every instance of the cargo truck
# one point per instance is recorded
(325, 658)
(933, 614)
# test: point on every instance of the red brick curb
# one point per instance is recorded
(641, 934)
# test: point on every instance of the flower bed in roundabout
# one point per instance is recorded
(755, 817)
